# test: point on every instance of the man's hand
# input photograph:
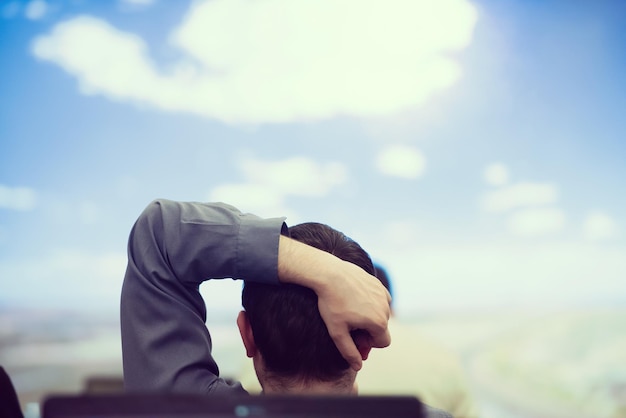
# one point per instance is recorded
(349, 299)
(355, 301)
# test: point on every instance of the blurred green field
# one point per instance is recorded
(558, 364)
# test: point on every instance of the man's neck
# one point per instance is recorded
(308, 388)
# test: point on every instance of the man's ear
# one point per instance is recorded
(246, 334)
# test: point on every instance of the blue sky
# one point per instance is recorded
(476, 149)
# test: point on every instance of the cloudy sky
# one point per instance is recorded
(475, 149)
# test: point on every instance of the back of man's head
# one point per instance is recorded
(285, 321)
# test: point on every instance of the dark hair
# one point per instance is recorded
(381, 274)
(285, 320)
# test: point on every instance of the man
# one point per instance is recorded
(174, 246)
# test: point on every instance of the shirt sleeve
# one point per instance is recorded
(174, 247)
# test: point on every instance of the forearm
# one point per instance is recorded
(306, 266)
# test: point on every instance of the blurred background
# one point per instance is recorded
(475, 149)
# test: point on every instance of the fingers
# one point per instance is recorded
(356, 348)
(348, 349)
(382, 339)
(377, 326)
(363, 342)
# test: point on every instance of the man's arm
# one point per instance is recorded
(172, 248)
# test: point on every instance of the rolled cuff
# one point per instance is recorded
(257, 248)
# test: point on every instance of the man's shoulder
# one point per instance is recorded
(436, 413)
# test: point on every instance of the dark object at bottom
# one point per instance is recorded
(170, 405)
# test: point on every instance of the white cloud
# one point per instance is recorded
(297, 175)
(63, 278)
(496, 174)
(519, 195)
(36, 10)
(456, 276)
(260, 199)
(536, 222)
(17, 198)
(276, 60)
(599, 226)
(268, 183)
(401, 161)
(103, 59)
